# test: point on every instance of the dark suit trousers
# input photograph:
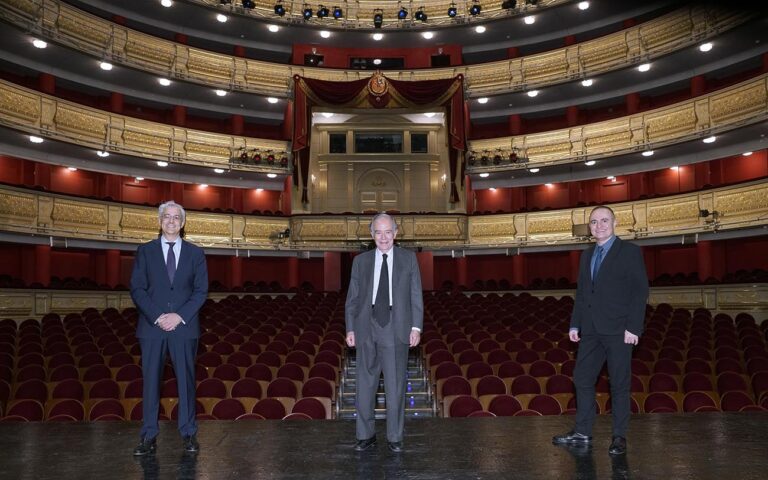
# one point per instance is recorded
(382, 352)
(183, 352)
(594, 350)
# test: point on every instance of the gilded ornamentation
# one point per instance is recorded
(208, 226)
(504, 228)
(18, 104)
(81, 121)
(558, 149)
(77, 303)
(79, 214)
(750, 201)
(143, 221)
(146, 140)
(674, 212)
(673, 123)
(337, 230)
(549, 225)
(742, 103)
(378, 84)
(14, 205)
(608, 142)
(430, 229)
(208, 150)
(625, 218)
(11, 304)
(263, 230)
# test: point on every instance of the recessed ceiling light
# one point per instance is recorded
(166, 3)
(102, 153)
(271, 175)
(138, 179)
(325, 33)
(492, 189)
(482, 100)
(39, 43)
(327, 114)
(162, 164)
(705, 47)
(532, 93)
(35, 139)
(674, 168)
(105, 66)
(583, 5)
(430, 114)
(221, 18)
(218, 170)
(378, 36)
(273, 28)
(484, 175)
(644, 67)
(163, 81)
(611, 178)
(480, 29)
(427, 35)
(529, 20)
(533, 170)
(221, 93)
(272, 99)
(548, 185)
(203, 185)
(587, 82)
(589, 163)
(710, 139)
(72, 169)
(648, 153)
(377, 61)
(259, 190)
(746, 154)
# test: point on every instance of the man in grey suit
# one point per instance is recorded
(607, 320)
(384, 315)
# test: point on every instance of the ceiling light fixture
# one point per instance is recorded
(644, 67)
(378, 36)
(427, 35)
(611, 178)
(271, 175)
(746, 154)
(648, 153)
(161, 163)
(166, 3)
(377, 61)
(163, 81)
(675, 168)
(529, 20)
(589, 163)
(583, 5)
(533, 170)
(218, 170)
(221, 18)
(587, 82)
(39, 43)
(138, 179)
(484, 175)
(325, 33)
(35, 139)
(327, 114)
(705, 47)
(221, 93)
(710, 139)
(203, 185)
(272, 99)
(482, 100)
(273, 28)
(480, 29)
(105, 66)
(532, 93)
(430, 114)
(102, 153)
(72, 169)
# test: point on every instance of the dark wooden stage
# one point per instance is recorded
(718, 446)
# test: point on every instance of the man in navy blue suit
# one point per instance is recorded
(169, 285)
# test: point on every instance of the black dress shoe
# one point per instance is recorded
(572, 438)
(190, 444)
(145, 447)
(395, 447)
(365, 444)
(618, 446)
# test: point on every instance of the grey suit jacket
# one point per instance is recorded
(407, 300)
(615, 300)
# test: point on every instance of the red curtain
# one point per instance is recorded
(447, 93)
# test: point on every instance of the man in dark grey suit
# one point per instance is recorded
(169, 285)
(384, 314)
(607, 320)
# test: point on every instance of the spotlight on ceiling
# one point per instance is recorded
(508, 4)
(475, 9)
(307, 12)
(402, 14)
(322, 12)
(452, 10)
(420, 15)
(378, 18)
(338, 13)
(279, 9)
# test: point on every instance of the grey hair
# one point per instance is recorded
(379, 216)
(164, 206)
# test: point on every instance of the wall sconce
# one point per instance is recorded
(444, 178)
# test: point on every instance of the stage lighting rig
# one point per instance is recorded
(338, 13)
(420, 15)
(378, 18)
(307, 13)
(402, 14)
(452, 10)
(279, 9)
(322, 12)
(476, 8)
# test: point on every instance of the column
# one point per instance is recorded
(331, 271)
(519, 273)
(235, 272)
(43, 264)
(113, 267)
(704, 259)
(427, 269)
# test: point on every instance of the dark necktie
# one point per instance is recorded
(598, 259)
(381, 307)
(170, 262)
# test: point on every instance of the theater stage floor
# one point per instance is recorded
(718, 446)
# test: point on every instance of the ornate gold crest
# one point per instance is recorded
(378, 84)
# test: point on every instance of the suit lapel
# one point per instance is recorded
(608, 260)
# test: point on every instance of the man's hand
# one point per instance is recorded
(415, 337)
(630, 338)
(169, 321)
(574, 335)
(350, 339)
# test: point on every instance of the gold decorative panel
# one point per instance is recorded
(145, 140)
(743, 202)
(210, 227)
(625, 218)
(135, 220)
(608, 142)
(81, 214)
(540, 225)
(262, 230)
(325, 230)
(436, 230)
(207, 150)
(502, 228)
(16, 205)
(19, 104)
(671, 123)
(674, 212)
(81, 121)
(739, 104)
(15, 304)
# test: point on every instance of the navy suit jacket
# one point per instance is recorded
(407, 299)
(616, 300)
(154, 295)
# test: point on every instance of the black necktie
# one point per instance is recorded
(381, 307)
(170, 262)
